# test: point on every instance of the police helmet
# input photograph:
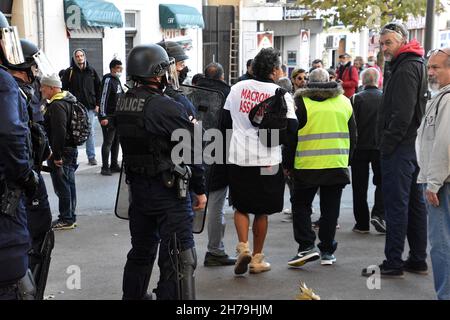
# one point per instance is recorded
(10, 48)
(29, 50)
(147, 61)
(174, 50)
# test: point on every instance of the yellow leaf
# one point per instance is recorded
(306, 293)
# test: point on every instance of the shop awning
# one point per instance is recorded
(176, 16)
(91, 13)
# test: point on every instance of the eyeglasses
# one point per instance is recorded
(436, 51)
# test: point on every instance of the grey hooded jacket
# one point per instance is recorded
(433, 142)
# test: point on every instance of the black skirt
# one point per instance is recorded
(256, 193)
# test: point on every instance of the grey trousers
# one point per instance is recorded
(216, 221)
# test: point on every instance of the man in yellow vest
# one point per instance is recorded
(325, 138)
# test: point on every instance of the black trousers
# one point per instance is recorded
(156, 214)
(330, 202)
(39, 218)
(110, 145)
(360, 184)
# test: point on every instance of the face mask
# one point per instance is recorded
(183, 74)
(118, 75)
(371, 63)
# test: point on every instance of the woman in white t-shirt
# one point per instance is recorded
(255, 172)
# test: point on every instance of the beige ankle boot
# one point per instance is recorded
(258, 264)
(243, 259)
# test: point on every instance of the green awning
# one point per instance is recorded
(176, 16)
(91, 13)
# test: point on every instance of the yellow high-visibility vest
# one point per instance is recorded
(324, 142)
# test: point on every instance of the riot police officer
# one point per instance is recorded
(39, 215)
(16, 174)
(177, 75)
(160, 208)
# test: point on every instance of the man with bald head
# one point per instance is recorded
(433, 148)
(365, 107)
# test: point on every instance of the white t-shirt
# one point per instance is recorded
(246, 149)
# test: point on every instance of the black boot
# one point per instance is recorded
(135, 281)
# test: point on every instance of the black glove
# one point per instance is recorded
(30, 184)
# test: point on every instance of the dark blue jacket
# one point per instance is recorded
(15, 165)
(181, 98)
(32, 91)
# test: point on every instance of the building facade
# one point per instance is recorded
(108, 29)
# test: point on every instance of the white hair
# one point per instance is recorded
(370, 77)
(319, 75)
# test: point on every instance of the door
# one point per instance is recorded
(94, 52)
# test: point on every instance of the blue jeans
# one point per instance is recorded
(404, 205)
(439, 235)
(216, 221)
(64, 184)
(90, 142)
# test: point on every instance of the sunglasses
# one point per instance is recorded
(395, 28)
(435, 51)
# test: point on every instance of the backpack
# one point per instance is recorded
(270, 117)
(80, 125)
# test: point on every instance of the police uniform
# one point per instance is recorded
(15, 165)
(39, 215)
(16, 174)
(145, 120)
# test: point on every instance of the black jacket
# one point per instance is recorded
(245, 76)
(84, 84)
(218, 85)
(403, 102)
(365, 110)
(322, 177)
(111, 89)
(56, 119)
(179, 97)
(217, 175)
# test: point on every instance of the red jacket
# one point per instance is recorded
(349, 78)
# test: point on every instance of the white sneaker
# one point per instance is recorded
(289, 218)
(243, 259)
(258, 264)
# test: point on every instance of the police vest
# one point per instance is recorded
(324, 142)
(143, 152)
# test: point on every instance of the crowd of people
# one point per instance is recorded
(338, 123)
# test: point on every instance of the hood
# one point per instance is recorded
(73, 63)
(64, 96)
(319, 91)
(412, 47)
